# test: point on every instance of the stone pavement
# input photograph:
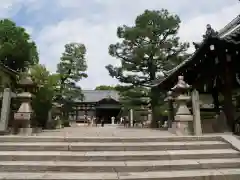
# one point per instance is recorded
(106, 131)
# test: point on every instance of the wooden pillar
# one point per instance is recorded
(227, 75)
(227, 93)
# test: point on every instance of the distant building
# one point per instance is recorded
(102, 104)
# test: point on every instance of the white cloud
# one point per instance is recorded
(192, 29)
(9, 8)
(94, 23)
(95, 37)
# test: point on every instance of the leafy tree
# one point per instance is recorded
(17, 50)
(135, 98)
(47, 84)
(118, 87)
(72, 68)
(105, 87)
(148, 48)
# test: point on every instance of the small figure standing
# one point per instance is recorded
(96, 121)
(121, 120)
(125, 122)
(88, 121)
(84, 120)
(102, 122)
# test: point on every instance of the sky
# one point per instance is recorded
(54, 23)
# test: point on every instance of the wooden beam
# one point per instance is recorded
(227, 74)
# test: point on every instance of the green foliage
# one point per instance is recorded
(148, 48)
(72, 68)
(47, 84)
(17, 50)
(105, 87)
(118, 87)
(73, 63)
(135, 98)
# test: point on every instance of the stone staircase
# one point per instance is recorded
(162, 158)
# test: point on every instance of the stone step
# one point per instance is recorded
(117, 166)
(116, 155)
(201, 174)
(113, 146)
(108, 139)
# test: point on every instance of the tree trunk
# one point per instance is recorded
(154, 106)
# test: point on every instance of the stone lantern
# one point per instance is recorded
(183, 120)
(23, 117)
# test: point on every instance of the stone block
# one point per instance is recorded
(25, 131)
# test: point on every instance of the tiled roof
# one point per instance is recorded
(229, 27)
(228, 33)
(7, 70)
(231, 31)
(97, 95)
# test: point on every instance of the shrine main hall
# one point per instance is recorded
(102, 104)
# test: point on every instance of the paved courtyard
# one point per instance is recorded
(106, 131)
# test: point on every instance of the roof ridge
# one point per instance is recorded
(224, 30)
(221, 34)
(230, 25)
(8, 69)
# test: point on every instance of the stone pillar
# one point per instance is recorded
(5, 111)
(58, 122)
(49, 120)
(149, 118)
(131, 117)
(197, 126)
(57, 111)
(183, 124)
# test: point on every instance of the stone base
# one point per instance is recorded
(183, 117)
(59, 126)
(36, 130)
(25, 131)
(182, 128)
(3, 129)
(2, 133)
